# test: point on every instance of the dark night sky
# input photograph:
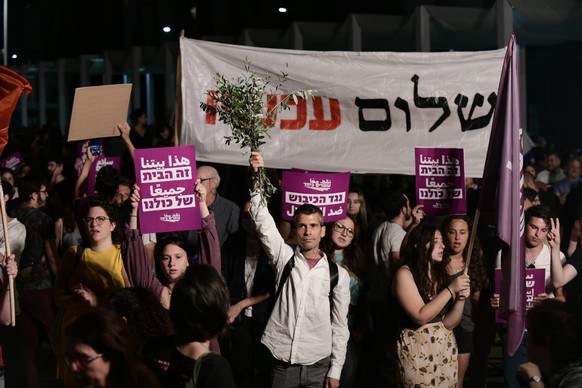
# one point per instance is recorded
(49, 29)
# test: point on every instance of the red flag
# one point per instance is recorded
(502, 193)
(12, 85)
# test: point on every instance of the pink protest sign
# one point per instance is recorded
(98, 164)
(440, 180)
(166, 178)
(535, 284)
(11, 161)
(328, 191)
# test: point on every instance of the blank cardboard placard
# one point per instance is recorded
(97, 110)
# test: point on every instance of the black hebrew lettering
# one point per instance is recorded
(431, 102)
(373, 103)
(403, 105)
(471, 123)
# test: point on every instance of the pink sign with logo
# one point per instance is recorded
(328, 191)
(11, 161)
(166, 179)
(535, 284)
(440, 181)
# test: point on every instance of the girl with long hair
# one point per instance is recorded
(429, 306)
(341, 243)
(457, 229)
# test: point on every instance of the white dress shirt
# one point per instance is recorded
(301, 329)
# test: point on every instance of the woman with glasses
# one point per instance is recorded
(341, 243)
(90, 271)
(101, 351)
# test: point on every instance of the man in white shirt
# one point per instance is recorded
(307, 332)
(538, 254)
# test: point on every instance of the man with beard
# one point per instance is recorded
(387, 238)
(37, 269)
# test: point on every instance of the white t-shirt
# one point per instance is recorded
(387, 238)
(543, 261)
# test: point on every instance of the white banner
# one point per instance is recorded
(371, 108)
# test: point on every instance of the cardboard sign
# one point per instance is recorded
(97, 110)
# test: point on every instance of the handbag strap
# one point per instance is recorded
(197, 367)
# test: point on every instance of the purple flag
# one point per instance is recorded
(502, 193)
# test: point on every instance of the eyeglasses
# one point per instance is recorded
(99, 220)
(341, 228)
(205, 179)
(43, 191)
(82, 360)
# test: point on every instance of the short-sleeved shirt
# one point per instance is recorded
(174, 370)
(39, 228)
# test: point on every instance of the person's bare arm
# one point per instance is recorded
(575, 234)
(561, 274)
(9, 268)
(84, 173)
(236, 308)
(200, 191)
(124, 130)
(407, 294)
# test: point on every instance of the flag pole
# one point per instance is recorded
(7, 246)
(5, 51)
(472, 240)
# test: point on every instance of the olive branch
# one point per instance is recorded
(241, 104)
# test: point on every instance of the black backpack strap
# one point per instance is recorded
(286, 271)
(79, 253)
(333, 279)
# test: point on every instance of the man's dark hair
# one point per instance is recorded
(27, 186)
(539, 211)
(307, 209)
(135, 114)
(123, 180)
(394, 201)
(7, 189)
(199, 304)
(530, 194)
(106, 182)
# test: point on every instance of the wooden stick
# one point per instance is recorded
(472, 240)
(7, 246)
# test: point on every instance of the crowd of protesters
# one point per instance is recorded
(380, 298)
